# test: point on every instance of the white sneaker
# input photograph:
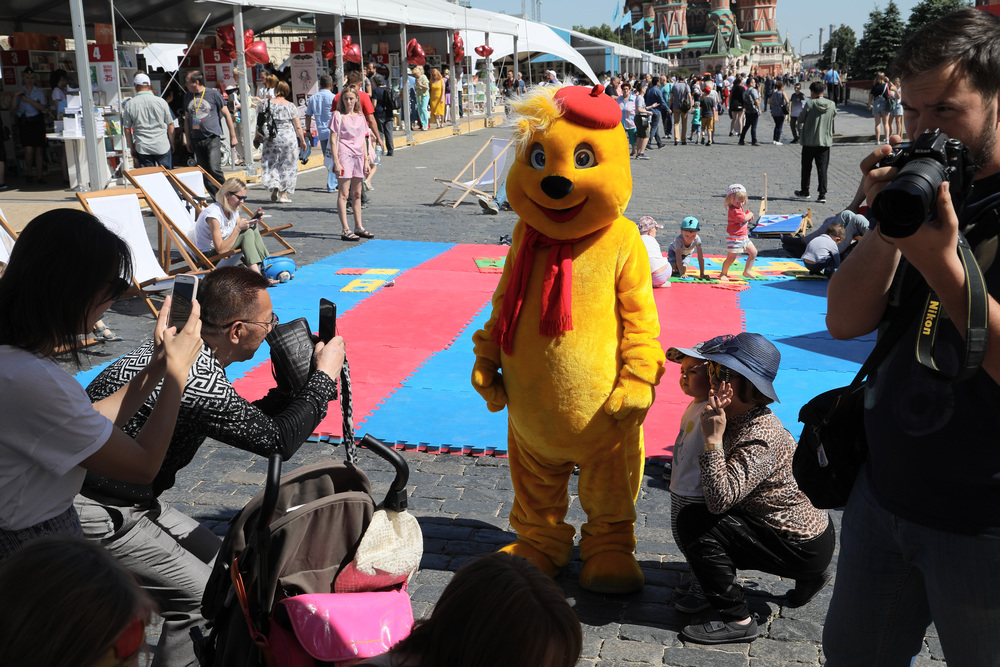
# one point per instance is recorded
(777, 143)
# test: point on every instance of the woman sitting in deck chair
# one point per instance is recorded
(220, 228)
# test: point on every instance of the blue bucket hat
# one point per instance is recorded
(749, 354)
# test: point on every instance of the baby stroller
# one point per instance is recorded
(275, 595)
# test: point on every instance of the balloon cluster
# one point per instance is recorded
(352, 52)
(256, 52)
(415, 53)
(457, 47)
(484, 51)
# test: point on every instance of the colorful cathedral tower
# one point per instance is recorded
(719, 35)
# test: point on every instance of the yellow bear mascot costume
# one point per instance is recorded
(571, 348)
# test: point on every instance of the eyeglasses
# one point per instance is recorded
(718, 372)
(241, 198)
(269, 323)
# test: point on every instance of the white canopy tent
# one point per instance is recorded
(532, 38)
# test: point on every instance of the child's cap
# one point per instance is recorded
(677, 354)
(690, 224)
(646, 223)
(735, 188)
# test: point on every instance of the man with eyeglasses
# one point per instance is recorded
(170, 553)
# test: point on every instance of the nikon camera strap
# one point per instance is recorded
(976, 325)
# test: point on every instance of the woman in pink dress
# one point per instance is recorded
(348, 130)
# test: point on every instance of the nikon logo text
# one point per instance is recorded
(932, 313)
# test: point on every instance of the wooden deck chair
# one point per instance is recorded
(192, 180)
(7, 238)
(177, 212)
(120, 211)
(489, 176)
(804, 227)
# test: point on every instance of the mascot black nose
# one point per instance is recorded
(557, 187)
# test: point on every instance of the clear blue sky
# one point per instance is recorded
(798, 17)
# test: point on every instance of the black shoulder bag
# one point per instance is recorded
(833, 446)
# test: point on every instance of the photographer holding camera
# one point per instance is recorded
(920, 540)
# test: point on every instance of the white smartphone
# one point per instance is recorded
(184, 293)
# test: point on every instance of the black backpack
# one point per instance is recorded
(685, 102)
(266, 127)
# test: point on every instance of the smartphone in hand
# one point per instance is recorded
(184, 293)
(327, 320)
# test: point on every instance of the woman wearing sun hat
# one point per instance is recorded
(755, 516)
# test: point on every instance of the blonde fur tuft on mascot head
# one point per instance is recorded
(570, 349)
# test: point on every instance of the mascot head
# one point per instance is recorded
(572, 174)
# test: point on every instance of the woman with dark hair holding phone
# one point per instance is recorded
(50, 293)
(755, 517)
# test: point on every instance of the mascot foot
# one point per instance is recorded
(533, 556)
(612, 573)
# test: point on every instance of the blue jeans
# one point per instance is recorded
(895, 577)
(654, 126)
(208, 154)
(165, 160)
(331, 179)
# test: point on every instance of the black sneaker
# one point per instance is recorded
(821, 199)
(803, 194)
(719, 632)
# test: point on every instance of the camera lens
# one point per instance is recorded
(909, 200)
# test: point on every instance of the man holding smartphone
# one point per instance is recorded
(171, 553)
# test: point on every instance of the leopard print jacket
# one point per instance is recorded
(753, 474)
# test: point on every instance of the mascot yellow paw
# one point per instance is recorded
(535, 557)
(611, 573)
(487, 380)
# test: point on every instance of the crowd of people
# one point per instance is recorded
(83, 528)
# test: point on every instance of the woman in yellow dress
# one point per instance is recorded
(437, 97)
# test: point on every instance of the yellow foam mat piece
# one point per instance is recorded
(362, 285)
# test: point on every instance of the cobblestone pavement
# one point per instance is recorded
(463, 502)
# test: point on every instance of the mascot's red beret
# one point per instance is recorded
(589, 107)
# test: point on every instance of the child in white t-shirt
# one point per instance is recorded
(685, 473)
(686, 242)
(658, 264)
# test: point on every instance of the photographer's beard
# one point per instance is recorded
(984, 144)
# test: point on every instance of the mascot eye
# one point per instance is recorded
(537, 157)
(584, 157)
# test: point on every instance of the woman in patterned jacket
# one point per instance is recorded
(754, 516)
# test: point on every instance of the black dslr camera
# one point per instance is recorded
(910, 199)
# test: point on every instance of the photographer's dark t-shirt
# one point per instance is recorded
(935, 446)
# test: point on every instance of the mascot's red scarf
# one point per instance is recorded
(557, 288)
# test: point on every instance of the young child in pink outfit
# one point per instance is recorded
(738, 232)
(349, 147)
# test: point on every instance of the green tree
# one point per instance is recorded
(845, 42)
(927, 11)
(883, 35)
(603, 31)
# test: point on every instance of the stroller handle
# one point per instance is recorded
(270, 502)
(395, 499)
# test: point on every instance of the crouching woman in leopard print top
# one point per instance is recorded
(754, 516)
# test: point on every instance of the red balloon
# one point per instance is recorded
(329, 50)
(484, 51)
(458, 46)
(346, 39)
(257, 54)
(226, 35)
(247, 38)
(415, 53)
(353, 53)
